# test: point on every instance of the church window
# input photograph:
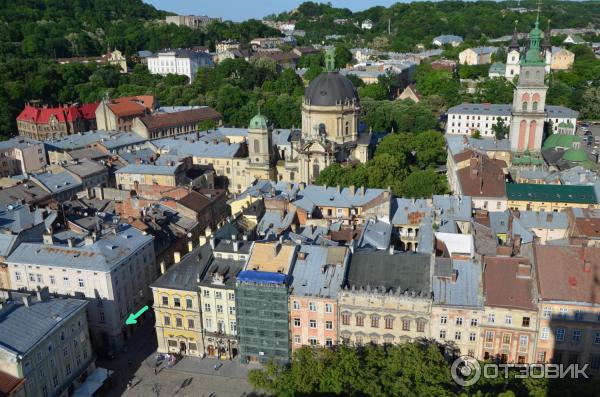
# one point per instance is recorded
(257, 146)
(534, 106)
(524, 106)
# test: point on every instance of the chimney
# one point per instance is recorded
(391, 249)
(362, 190)
(71, 242)
(454, 275)
(48, 238)
(233, 237)
(338, 189)
(524, 270)
(236, 246)
(516, 244)
(27, 300)
(162, 267)
(90, 239)
(190, 246)
(212, 242)
(202, 240)
(352, 190)
(301, 255)
(177, 257)
(245, 237)
(302, 185)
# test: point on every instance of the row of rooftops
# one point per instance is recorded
(492, 109)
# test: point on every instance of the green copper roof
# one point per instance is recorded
(533, 55)
(561, 141)
(259, 122)
(575, 155)
(578, 194)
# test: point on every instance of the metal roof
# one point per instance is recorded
(551, 193)
(466, 291)
(319, 271)
(22, 327)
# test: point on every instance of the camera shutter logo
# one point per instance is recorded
(465, 371)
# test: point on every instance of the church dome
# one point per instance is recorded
(258, 122)
(575, 155)
(330, 89)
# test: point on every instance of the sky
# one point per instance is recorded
(240, 10)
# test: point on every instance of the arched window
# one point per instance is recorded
(256, 146)
(527, 74)
(524, 107)
(534, 106)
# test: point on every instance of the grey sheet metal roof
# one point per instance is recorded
(415, 209)
(184, 275)
(228, 269)
(466, 291)
(426, 236)
(22, 327)
(105, 254)
(543, 220)
(321, 272)
(272, 221)
(329, 196)
(149, 169)
(483, 109)
(456, 208)
(399, 272)
(554, 111)
(499, 221)
(19, 142)
(376, 234)
(57, 182)
(458, 143)
(203, 147)
(15, 218)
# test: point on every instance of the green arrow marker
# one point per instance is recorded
(132, 319)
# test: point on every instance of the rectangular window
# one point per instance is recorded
(219, 308)
(328, 308)
(577, 335)
(420, 326)
(489, 336)
(18, 276)
(508, 320)
(405, 325)
(375, 321)
(208, 323)
(345, 319)
(443, 320)
(176, 302)
(313, 341)
(66, 281)
(233, 326)
(544, 333)
(32, 277)
(206, 293)
(39, 278)
(523, 340)
(312, 323)
(81, 283)
(525, 322)
(389, 322)
(167, 321)
(296, 305)
(459, 321)
(207, 307)
(232, 310)
(491, 318)
(328, 342)
(506, 339)
(474, 322)
(297, 339)
(597, 338)
(189, 303)
(102, 319)
(472, 337)
(191, 323)
(442, 334)
(231, 296)
(457, 335)
(165, 301)
(328, 324)
(560, 334)
(218, 295)
(563, 312)
(312, 306)
(296, 322)
(360, 321)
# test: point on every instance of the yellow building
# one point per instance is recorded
(177, 307)
(549, 198)
(128, 177)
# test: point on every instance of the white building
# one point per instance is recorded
(179, 61)
(112, 270)
(367, 24)
(192, 21)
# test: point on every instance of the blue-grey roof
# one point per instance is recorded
(264, 187)
(176, 109)
(321, 272)
(453, 207)
(522, 231)
(375, 234)
(554, 111)
(149, 169)
(281, 137)
(403, 208)
(448, 38)
(120, 139)
(544, 220)
(466, 291)
(57, 182)
(18, 142)
(16, 217)
(273, 221)
(103, 255)
(458, 143)
(203, 147)
(109, 139)
(499, 221)
(484, 50)
(144, 54)
(144, 154)
(329, 196)
(22, 327)
(426, 236)
(484, 109)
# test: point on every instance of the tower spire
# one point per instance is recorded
(514, 43)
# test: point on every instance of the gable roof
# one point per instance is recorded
(162, 121)
(506, 283)
(131, 106)
(62, 114)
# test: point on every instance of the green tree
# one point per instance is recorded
(500, 129)
(343, 56)
(375, 91)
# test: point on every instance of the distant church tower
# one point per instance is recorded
(528, 109)
(513, 56)
(260, 150)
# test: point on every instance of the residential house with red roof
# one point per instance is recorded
(509, 326)
(119, 113)
(569, 305)
(50, 123)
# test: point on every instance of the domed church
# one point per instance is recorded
(330, 119)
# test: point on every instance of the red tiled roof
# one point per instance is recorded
(567, 273)
(506, 284)
(61, 113)
(9, 384)
(132, 106)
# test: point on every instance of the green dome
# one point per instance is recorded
(575, 155)
(258, 122)
(561, 141)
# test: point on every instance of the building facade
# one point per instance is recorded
(179, 61)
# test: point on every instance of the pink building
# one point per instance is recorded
(318, 275)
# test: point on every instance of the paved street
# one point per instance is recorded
(189, 377)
